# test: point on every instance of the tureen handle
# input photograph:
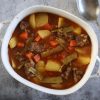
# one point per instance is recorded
(2, 24)
(98, 71)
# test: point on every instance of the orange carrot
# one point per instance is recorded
(37, 38)
(47, 26)
(36, 57)
(29, 55)
(73, 43)
(24, 35)
(20, 44)
(53, 43)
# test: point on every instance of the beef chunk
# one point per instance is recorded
(24, 25)
(77, 74)
(58, 33)
(34, 46)
(82, 40)
(21, 60)
(29, 41)
(67, 72)
(29, 69)
(19, 56)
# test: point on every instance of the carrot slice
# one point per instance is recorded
(20, 44)
(29, 55)
(73, 43)
(53, 43)
(24, 35)
(37, 38)
(36, 57)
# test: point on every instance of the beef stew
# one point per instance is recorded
(50, 50)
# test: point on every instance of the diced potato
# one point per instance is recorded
(41, 19)
(13, 42)
(13, 63)
(32, 21)
(55, 80)
(77, 30)
(40, 66)
(44, 33)
(84, 60)
(53, 66)
(60, 22)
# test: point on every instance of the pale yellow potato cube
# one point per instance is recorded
(60, 21)
(13, 42)
(53, 66)
(40, 66)
(78, 30)
(84, 60)
(32, 21)
(44, 33)
(41, 19)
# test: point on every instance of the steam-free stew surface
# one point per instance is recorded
(49, 50)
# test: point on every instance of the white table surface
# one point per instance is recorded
(10, 89)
